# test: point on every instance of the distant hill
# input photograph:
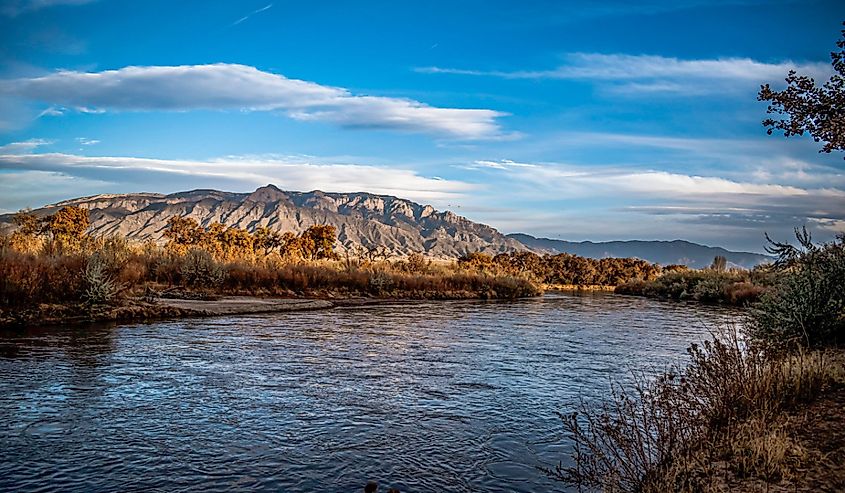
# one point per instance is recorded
(662, 252)
(362, 219)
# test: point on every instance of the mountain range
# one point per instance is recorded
(363, 221)
(661, 252)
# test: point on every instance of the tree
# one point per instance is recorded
(720, 263)
(266, 240)
(318, 241)
(67, 226)
(27, 223)
(25, 237)
(816, 110)
(476, 261)
(183, 233)
(236, 243)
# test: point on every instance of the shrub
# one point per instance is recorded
(736, 287)
(668, 434)
(200, 270)
(100, 286)
(807, 304)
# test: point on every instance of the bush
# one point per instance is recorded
(737, 287)
(100, 286)
(200, 270)
(807, 304)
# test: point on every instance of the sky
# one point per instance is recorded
(570, 120)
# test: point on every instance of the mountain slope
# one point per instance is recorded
(662, 252)
(362, 219)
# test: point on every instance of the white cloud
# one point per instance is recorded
(650, 200)
(87, 142)
(593, 181)
(503, 164)
(656, 74)
(242, 173)
(25, 146)
(240, 87)
(830, 224)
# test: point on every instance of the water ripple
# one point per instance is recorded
(454, 396)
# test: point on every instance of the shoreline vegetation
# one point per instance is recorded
(53, 271)
(758, 408)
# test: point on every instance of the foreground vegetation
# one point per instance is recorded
(743, 415)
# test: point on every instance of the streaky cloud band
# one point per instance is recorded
(224, 86)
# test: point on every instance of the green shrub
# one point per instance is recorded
(807, 304)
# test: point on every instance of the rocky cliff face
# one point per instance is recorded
(362, 219)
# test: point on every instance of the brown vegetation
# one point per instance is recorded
(563, 269)
(734, 418)
(720, 420)
(735, 287)
(51, 265)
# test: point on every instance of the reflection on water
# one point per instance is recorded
(455, 396)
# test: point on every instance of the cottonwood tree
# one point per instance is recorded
(807, 108)
(67, 227)
(319, 241)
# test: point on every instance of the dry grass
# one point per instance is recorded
(109, 271)
(720, 416)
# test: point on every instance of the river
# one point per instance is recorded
(430, 396)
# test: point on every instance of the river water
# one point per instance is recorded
(433, 396)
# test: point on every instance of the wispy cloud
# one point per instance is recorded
(748, 206)
(760, 160)
(233, 173)
(87, 142)
(240, 87)
(624, 73)
(258, 11)
(503, 164)
(24, 147)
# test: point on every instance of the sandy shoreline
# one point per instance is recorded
(241, 305)
(135, 310)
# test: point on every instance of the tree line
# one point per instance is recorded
(565, 268)
(232, 243)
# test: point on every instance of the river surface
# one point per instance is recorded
(434, 396)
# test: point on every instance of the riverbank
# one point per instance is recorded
(578, 288)
(137, 310)
(802, 450)
(758, 407)
(111, 280)
(140, 309)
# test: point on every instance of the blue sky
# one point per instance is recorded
(569, 120)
